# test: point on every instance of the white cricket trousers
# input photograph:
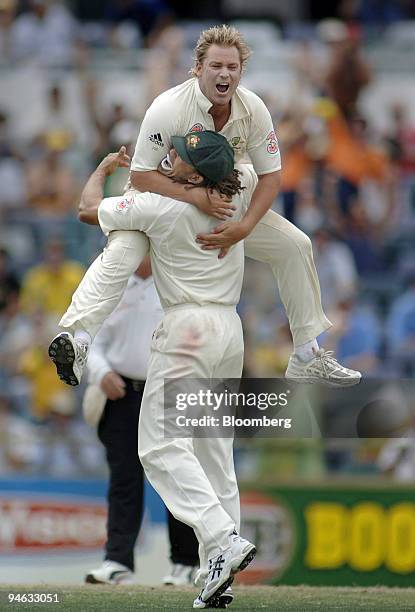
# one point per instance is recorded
(274, 241)
(195, 477)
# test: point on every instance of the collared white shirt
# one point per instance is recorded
(185, 108)
(123, 342)
(182, 271)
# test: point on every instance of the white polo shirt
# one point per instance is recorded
(123, 342)
(185, 108)
(182, 271)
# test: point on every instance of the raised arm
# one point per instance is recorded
(93, 191)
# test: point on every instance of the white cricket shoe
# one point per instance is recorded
(69, 356)
(222, 568)
(110, 572)
(181, 575)
(323, 368)
(223, 601)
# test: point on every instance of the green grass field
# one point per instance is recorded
(91, 598)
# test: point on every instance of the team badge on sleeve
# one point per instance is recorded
(123, 205)
(272, 143)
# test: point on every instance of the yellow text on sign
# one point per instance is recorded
(365, 536)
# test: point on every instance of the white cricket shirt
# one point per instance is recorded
(182, 271)
(185, 108)
(123, 342)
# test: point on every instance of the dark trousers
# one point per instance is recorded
(118, 432)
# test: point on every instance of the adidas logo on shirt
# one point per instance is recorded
(157, 139)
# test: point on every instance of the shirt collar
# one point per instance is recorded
(238, 108)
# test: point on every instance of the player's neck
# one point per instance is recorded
(220, 115)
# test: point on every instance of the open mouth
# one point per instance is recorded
(222, 87)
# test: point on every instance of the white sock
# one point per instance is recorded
(306, 352)
(82, 336)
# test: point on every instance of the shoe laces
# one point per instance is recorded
(327, 360)
(82, 353)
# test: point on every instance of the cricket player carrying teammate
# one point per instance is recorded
(200, 336)
(213, 100)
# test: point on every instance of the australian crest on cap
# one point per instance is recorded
(193, 140)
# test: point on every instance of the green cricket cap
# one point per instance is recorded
(208, 152)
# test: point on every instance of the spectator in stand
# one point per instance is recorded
(400, 328)
(150, 16)
(16, 334)
(9, 283)
(164, 67)
(57, 133)
(52, 186)
(12, 178)
(48, 393)
(400, 142)
(402, 139)
(49, 286)
(361, 237)
(45, 33)
(336, 268)
(19, 448)
(8, 9)
(356, 336)
(347, 75)
(350, 155)
(112, 124)
(297, 162)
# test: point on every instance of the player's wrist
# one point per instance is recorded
(102, 171)
(199, 197)
(246, 227)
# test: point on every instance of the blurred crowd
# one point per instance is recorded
(345, 182)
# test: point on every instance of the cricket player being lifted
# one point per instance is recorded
(200, 337)
(214, 100)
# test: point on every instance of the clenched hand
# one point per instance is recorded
(113, 386)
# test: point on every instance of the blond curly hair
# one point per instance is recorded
(223, 36)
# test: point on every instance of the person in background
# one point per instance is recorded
(117, 369)
(9, 283)
(50, 285)
(400, 328)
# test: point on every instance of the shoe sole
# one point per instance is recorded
(326, 383)
(62, 353)
(225, 600)
(90, 579)
(249, 557)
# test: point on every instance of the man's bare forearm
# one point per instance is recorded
(93, 191)
(91, 197)
(264, 195)
(155, 182)
(209, 202)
